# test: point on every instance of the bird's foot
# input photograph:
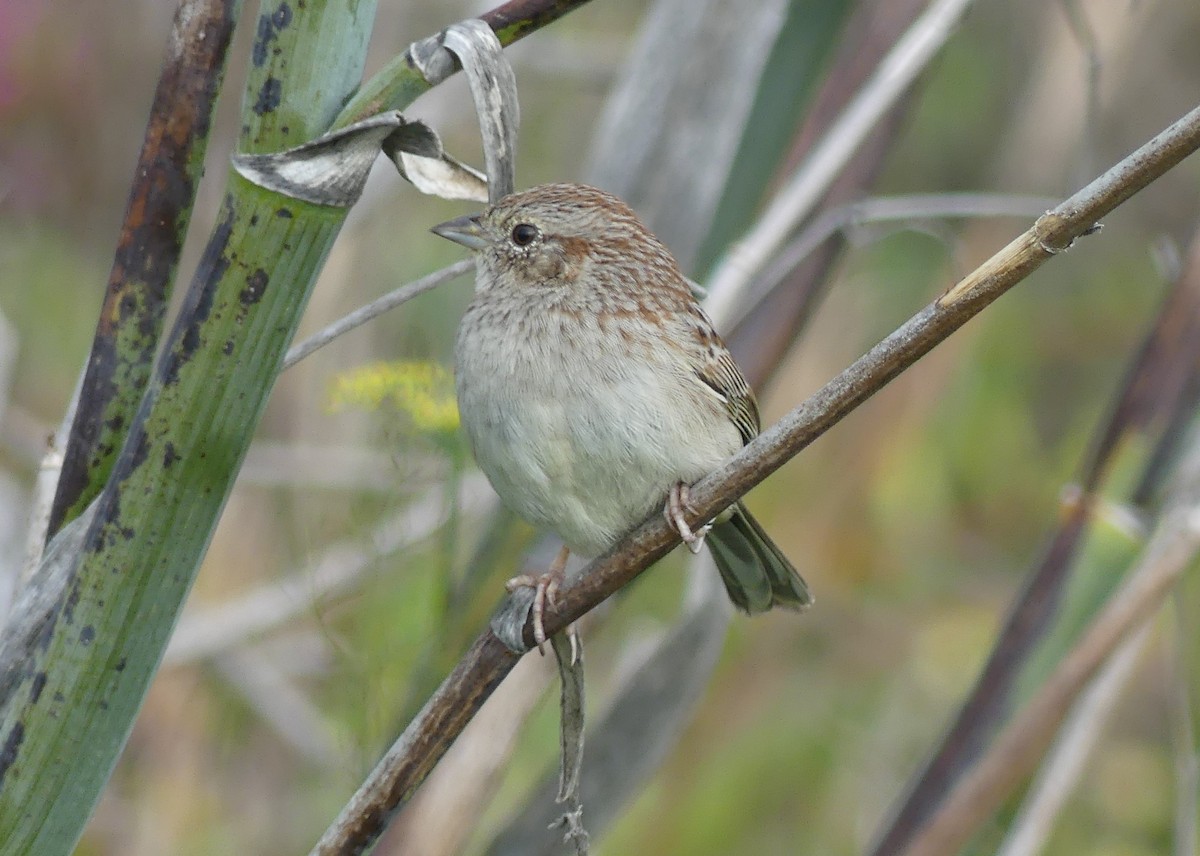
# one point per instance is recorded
(545, 587)
(677, 503)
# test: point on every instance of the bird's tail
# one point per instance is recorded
(756, 573)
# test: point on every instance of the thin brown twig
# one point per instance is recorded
(906, 209)
(446, 713)
(374, 309)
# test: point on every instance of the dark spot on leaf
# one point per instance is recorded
(170, 456)
(129, 306)
(262, 40)
(282, 16)
(269, 96)
(72, 600)
(141, 451)
(120, 666)
(227, 348)
(285, 213)
(256, 284)
(12, 746)
(45, 632)
(114, 513)
(35, 689)
(212, 267)
(87, 634)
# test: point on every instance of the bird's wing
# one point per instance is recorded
(715, 367)
(721, 374)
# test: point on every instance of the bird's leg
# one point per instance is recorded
(677, 501)
(545, 587)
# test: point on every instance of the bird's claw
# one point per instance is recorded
(677, 502)
(545, 588)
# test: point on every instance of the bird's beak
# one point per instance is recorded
(463, 230)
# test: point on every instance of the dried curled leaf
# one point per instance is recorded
(437, 174)
(332, 169)
(493, 88)
(568, 651)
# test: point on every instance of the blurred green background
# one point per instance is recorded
(914, 521)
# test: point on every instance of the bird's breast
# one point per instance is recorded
(582, 429)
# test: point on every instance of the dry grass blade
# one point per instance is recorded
(1065, 764)
(797, 198)
(1183, 738)
(1015, 753)
(776, 322)
(214, 630)
(471, 770)
(673, 172)
(1153, 391)
(913, 208)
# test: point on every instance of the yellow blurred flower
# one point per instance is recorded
(422, 390)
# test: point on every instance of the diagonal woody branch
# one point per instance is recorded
(463, 692)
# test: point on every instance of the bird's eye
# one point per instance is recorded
(524, 234)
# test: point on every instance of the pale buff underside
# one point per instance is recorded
(542, 417)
